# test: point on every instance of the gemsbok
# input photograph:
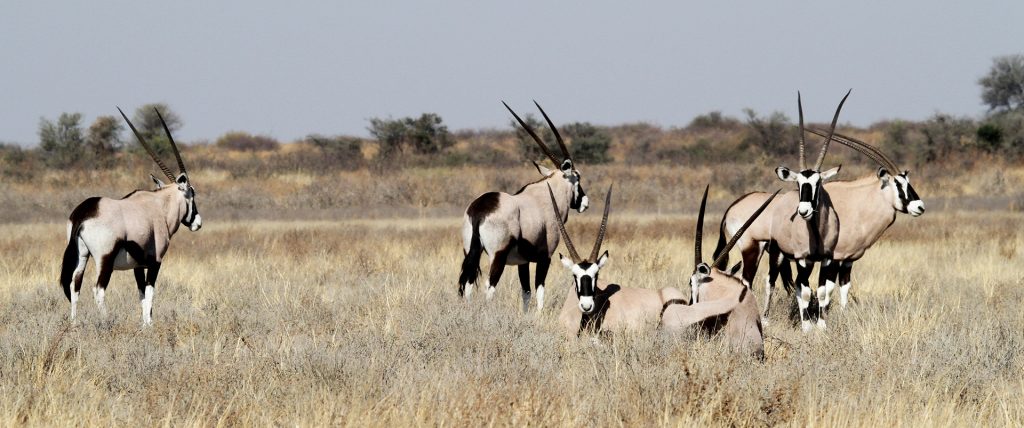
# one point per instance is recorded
(591, 306)
(515, 229)
(809, 239)
(133, 232)
(720, 302)
(866, 207)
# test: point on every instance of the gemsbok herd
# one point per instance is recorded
(825, 222)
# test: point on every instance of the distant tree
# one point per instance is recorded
(104, 137)
(148, 124)
(62, 142)
(527, 146)
(588, 143)
(713, 120)
(1003, 87)
(945, 134)
(246, 142)
(339, 151)
(424, 135)
(772, 134)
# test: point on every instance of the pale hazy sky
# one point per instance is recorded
(287, 69)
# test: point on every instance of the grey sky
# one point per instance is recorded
(287, 70)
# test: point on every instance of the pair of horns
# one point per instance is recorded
(544, 147)
(149, 149)
(698, 258)
(831, 132)
(862, 147)
(600, 233)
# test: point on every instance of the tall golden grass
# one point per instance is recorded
(356, 322)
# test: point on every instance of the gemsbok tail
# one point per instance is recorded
(471, 263)
(724, 261)
(67, 270)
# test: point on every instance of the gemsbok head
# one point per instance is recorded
(585, 271)
(515, 229)
(810, 180)
(133, 232)
(719, 300)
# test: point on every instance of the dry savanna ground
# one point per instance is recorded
(356, 322)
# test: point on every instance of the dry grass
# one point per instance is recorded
(357, 323)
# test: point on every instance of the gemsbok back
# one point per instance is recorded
(720, 303)
(133, 232)
(515, 229)
(591, 306)
(866, 207)
(809, 239)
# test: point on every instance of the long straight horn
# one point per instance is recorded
(699, 235)
(604, 225)
(831, 131)
(863, 148)
(803, 142)
(142, 142)
(174, 147)
(739, 233)
(558, 137)
(561, 228)
(543, 147)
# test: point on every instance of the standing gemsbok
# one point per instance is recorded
(590, 306)
(809, 239)
(133, 232)
(516, 229)
(866, 207)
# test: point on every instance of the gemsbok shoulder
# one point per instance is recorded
(515, 229)
(801, 223)
(592, 306)
(133, 232)
(720, 303)
(866, 207)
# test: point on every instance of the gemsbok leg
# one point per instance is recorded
(496, 268)
(826, 283)
(775, 260)
(803, 297)
(104, 268)
(844, 283)
(540, 276)
(145, 279)
(524, 281)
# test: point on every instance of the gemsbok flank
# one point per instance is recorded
(593, 307)
(515, 229)
(866, 208)
(133, 232)
(720, 303)
(810, 239)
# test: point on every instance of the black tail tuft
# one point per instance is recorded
(724, 263)
(67, 270)
(471, 263)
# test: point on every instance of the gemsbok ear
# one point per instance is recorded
(785, 174)
(159, 184)
(883, 173)
(829, 173)
(566, 166)
(602, 260)
(568, 263)
(543, 170)
(182, 179)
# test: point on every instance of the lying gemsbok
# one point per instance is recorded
(809, 239)
(866, 208)
(133, 232)
(592, 307)
(515, 229)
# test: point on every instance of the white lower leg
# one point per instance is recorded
(540, 297)
(468, 290)
(767, 294)
(489, 290)
(147, 305)
(98, 293)
(803, 300)
(844, 295)
(74, 304)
